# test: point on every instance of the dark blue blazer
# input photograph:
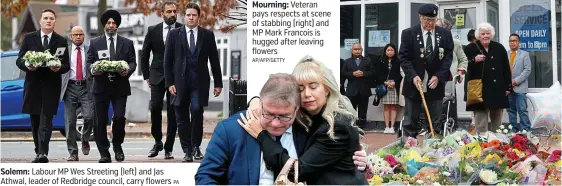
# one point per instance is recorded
(175, 63)
(233, 157)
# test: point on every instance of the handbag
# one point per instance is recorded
(283, 177)
(474, 86)
(382, 89)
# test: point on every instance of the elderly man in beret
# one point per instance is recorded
(111, 87)
(426, 52)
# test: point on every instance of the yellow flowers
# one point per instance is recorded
(375, 180)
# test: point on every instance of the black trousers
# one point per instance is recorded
(413, 108)
(189, 116)
(157, 92)
(101, 108)
(42, 129)
(360, 103)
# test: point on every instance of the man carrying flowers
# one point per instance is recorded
(43, 66)
(111, 60)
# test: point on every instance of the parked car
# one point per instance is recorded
(13, 119)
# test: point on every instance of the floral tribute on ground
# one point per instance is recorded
(501, 157)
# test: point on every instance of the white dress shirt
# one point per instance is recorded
(109, 42)
(165, 31)
(195, 30)
(424, 32)
(266, 176)
(74, 61)
(48, 36)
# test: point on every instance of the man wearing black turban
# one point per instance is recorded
(111, 87)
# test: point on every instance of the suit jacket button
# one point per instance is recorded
(493, 68)
(494, 80)
(268, 167)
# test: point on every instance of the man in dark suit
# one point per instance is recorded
(111, 87)
(426, 53)
(187, 77)
(226, 162)
(342, 78)
(358, 70)
(154, 76)
(76, 92)
(42, 85)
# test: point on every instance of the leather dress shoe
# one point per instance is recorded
(36, 160)
(187, 158)
(168, 156)
(43, 158)
(119, 155)
(155, 149)
(197, 153)
(85, 147)
(105, 159)
(73, 157)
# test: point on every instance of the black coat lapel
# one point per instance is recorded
(38, 40)
(419, 42)
(183, 38)
(160, 33)
(199, 43)
(118, 47)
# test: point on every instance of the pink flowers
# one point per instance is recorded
(391, 160)
(555, 156)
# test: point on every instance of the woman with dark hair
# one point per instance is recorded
(388, 73)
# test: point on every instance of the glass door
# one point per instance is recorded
(462, 18)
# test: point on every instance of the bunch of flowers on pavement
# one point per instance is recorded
(501, 157)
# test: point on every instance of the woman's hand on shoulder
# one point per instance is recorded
(251, 123)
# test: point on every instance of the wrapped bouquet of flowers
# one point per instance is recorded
(110, 66)
(41, 59)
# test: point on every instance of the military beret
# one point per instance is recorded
(111, 14)
(429, 10)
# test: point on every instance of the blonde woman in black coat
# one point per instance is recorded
(488, 60)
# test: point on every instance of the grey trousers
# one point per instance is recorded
(481, 120)
(77, 95)
(413, 109)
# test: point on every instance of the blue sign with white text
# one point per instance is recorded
(532, 23)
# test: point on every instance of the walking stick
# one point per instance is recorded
(426, 110)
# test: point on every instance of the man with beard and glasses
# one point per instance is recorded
(111, 87)
(153, 73)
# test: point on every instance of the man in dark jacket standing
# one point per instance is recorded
(154, 75)
(358, 70)
(189, 49)
(42, 85)
(426, 53)
(111, 87)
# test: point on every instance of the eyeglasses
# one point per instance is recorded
(429, 19)
(273, 116)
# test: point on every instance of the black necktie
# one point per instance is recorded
(111, 49)
(429, 41)
(45, 42)
(191, 42)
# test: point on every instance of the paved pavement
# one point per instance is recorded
(136, 150)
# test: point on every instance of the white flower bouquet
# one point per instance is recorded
(110, 66)
(41, 59)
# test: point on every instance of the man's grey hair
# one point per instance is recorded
(282, 88)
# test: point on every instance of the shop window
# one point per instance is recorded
(493, 17)
(461, 28)
(531, 20)
(350, 28)
(381, 28)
